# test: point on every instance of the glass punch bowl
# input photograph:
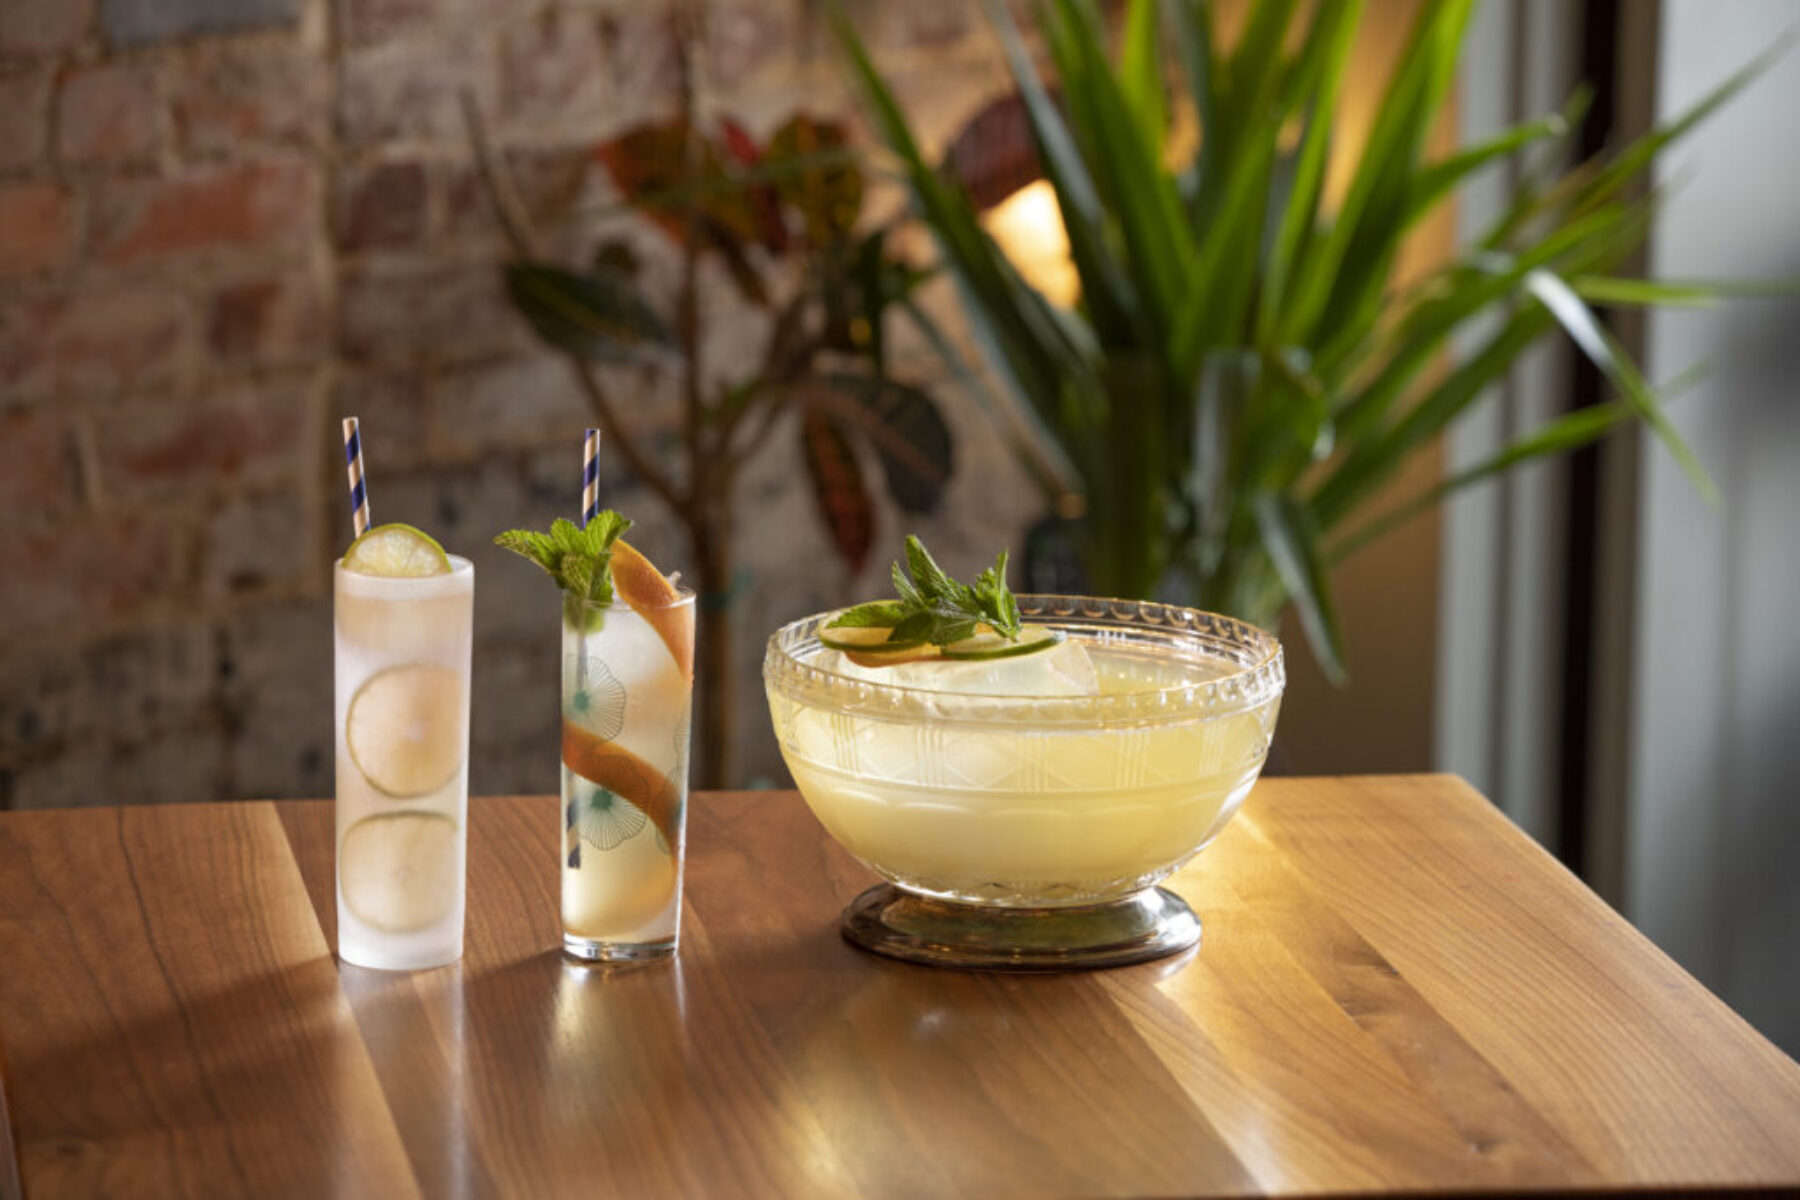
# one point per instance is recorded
(1029, 832)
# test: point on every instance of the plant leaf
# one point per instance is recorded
(903, 426)
(877, 614)
(827, 197)
(1568, 432)
(1692, 293)
(1578, 320)
(1027, 342)
(1140, 71)
(1329, 42)
(1291, 538)
(1041, 455)
(838, 488)
(1105, 285)
(597, 316)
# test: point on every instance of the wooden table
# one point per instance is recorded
(1395, 991)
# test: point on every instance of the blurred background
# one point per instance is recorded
(223, 226)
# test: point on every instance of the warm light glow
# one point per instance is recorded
(1028, 226)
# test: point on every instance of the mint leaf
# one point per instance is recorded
(995, 599)
(909, 595)
(929, 577)
(934, 607)
(880, 614)
(952, 629)
(578, 560)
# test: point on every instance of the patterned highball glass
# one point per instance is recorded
(626, 711)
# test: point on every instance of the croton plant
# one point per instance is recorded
(780, 223)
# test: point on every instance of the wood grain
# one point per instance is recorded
(11, 1187)
(1395, 991)
(172, 1015)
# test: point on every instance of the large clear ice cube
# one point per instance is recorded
(1063, 670)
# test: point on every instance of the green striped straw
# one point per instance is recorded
(359, 491)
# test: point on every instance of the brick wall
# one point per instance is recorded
(226, 223)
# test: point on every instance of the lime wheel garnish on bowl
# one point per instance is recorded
(936, 618)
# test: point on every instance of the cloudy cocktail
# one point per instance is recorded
(403, 616)
(627, 684)
(1067, 780)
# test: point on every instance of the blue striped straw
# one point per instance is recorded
(590, 477)
(359, 492)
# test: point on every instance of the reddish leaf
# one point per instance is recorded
(994, 155)
(898, 421)
(838, 487)
(648, 159)
(738, 142)
(827, 196)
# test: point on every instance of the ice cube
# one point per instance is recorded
(1062, 670)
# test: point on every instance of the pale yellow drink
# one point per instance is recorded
(1058, 799)
(626, 704)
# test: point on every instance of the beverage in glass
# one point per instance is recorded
(1025, 808)
(627, 690)
(402, 649)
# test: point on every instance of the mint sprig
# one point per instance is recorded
(935, 608)
(578, 559)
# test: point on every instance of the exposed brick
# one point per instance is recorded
(554, 66)
(108, 112)
(548, 183)
(744, 40)
(183, 766)
(94, 342)
(233, 95)
(644, 62)
(512, 715)
(137, 22)
(42, 26)
(76, 575)
(24, 102)
(936, 24)
(277, 671)
(69, 692)
(257, 435)
(268, 321)
(409, 92)
(447, 312)
(513, 403)
(918, 24)
(253, 543)
(393, 410)
(37, 228)
(465, 505)
(385, 205)
(372, 20)
(37, 460)
(260, 205)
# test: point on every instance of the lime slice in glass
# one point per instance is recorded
(866, 638)
(405, 729)
(983, 646)
(396, 552)
(398, 870)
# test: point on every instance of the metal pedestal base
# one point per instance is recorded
(889, 921)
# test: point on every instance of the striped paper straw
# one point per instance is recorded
(359, 492)
(590, 477)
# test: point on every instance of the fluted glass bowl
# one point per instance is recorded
(1030, 831)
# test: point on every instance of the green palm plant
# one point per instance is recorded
(1241, 374)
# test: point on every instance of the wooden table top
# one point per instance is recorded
(1395, 990)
